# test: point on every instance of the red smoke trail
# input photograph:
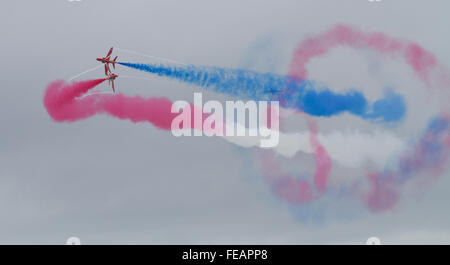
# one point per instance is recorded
(421, 61)
(59, 100)
(323, 160)
(383, 194)
(62, 102)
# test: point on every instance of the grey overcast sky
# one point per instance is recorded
(109, 181)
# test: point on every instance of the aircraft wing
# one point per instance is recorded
(109, 53)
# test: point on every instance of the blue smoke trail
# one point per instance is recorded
(305, 95)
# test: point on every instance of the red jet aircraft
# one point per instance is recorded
(111, 78)
(107, 60)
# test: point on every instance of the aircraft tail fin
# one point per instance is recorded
(114, 62)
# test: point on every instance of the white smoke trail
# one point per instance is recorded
(350, 149)
(85, 72)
